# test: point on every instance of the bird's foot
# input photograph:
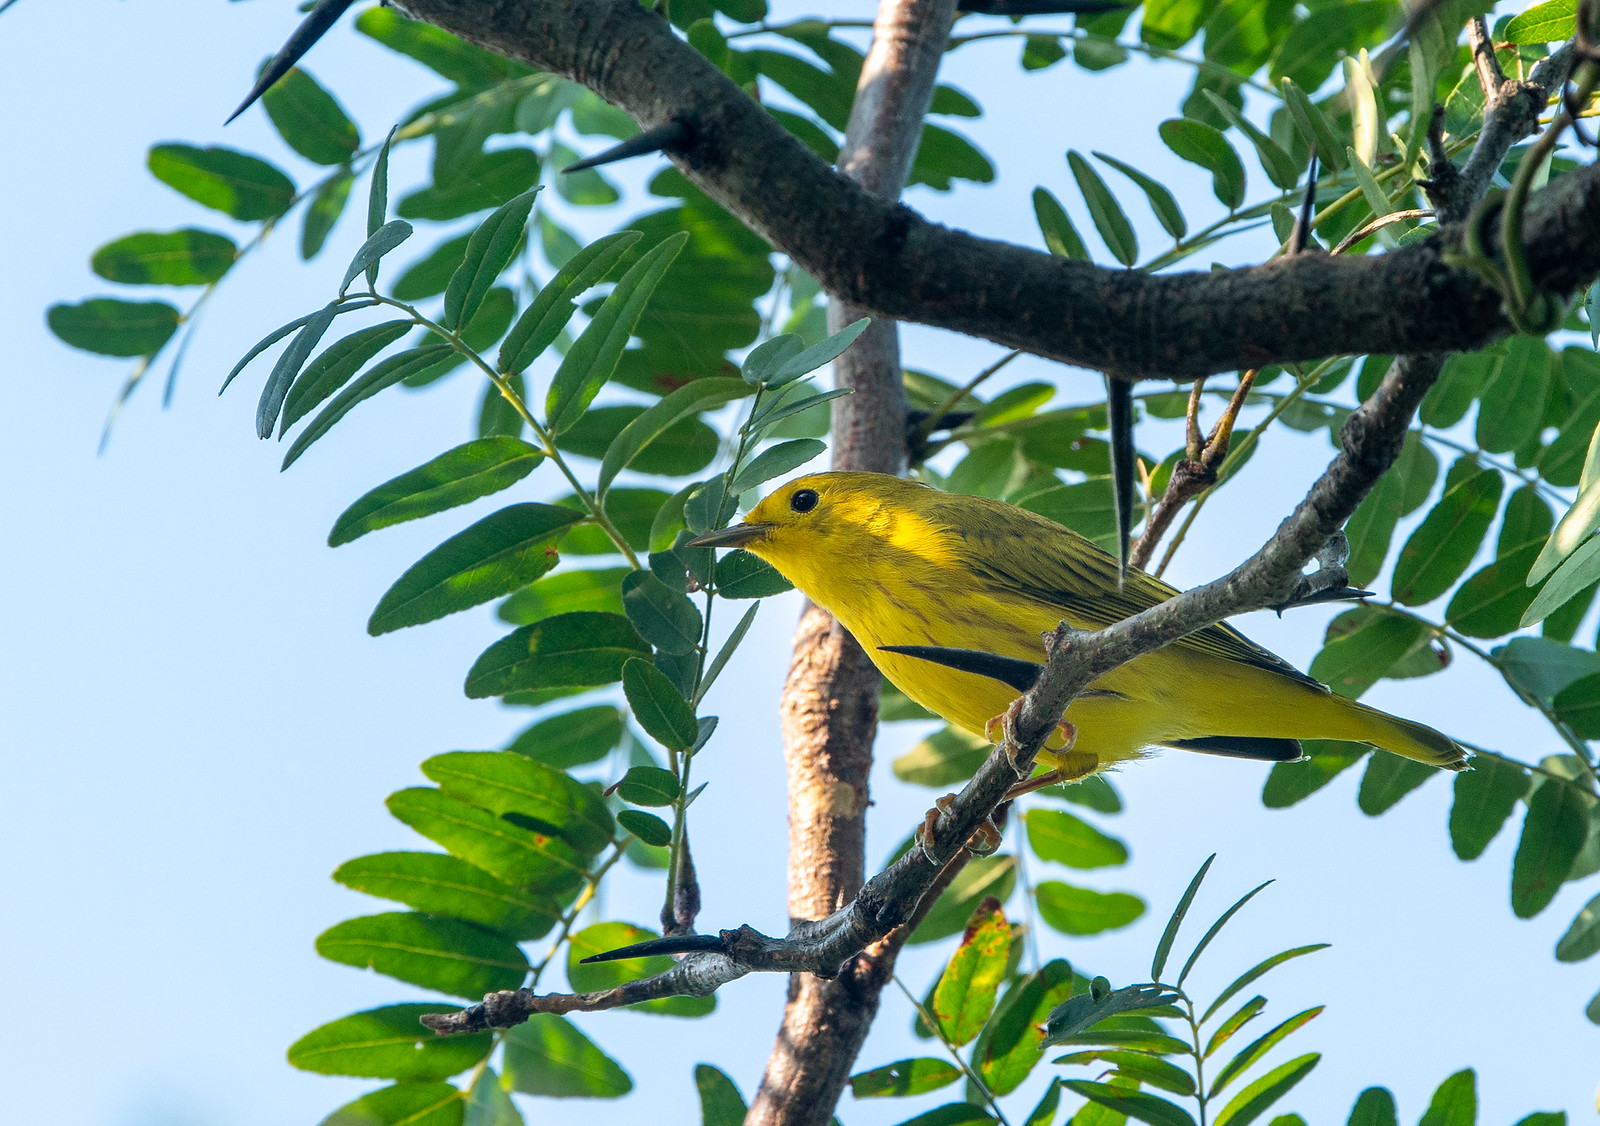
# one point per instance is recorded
(1002, 729)
(983, 842)
(1074, 765)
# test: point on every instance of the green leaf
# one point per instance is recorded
(1250, 1103)
(577, 649)
(310, 120)
(1311, 49)
(404, 1104)
(324, 210)
(808, 360)
(903, 1078)
(1458, 386)
(1243, 1015)
(1539, 668)
(1216, 928)
(632, 512)
(1455, 1103)
(1060, 236)
(1199, 143)
(1439, 550)
(1135, 1104)
(1580, 570)
(1362, 646)
(1582, 939)
(599, 590)
(663, 617)
(720, 1101)
(1375, 1106)
(950, 1114)
(1057, 835)
(237, 184)
(500, 847)
(1387, 779)
(1044, 1112)
(1161, 201)
(776, 461)
(1513, 400)
(1169, 934)
(597, 976)
(1554, 831)
(1484, 799)
(447, 955)
(649, 785)
(769, 418)
(593, 357)
(489, 251)
(1261, 1046)
(1094, 792)
(1493, 600)
(1549, 22)
(1291, 782)
(1079, 911)
(1313, 124)
(964, 997)
(494, 178)
(468, 66)
(729, 646)
(1109, 218)
(184, 257)
(370, 252)
(685, 447)
(489, 1103)
(1172, 23)
(548, 1056)
(462, 475)
(742, 575)
(378, 198)
(438, 884)
(1008, 1047)
(646, 826)
(658, 707)
(275, 392)
(330, 371)
(109, 327)
(385, 374)
(985, 876)
(527, 793)
(948, 756)
(690, 399)
(571, 738)
(1256, 971)
(1279, 166)
(505, 550)
(388, 1043)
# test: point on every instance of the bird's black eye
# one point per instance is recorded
(804, 500)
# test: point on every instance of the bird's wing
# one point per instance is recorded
(1033, 557)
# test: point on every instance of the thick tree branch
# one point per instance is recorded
(883, 256)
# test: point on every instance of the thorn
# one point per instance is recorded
(672, 137)
(1302, 224)
(1009, 671)
(1119, 406)
(311, 29)
(677, 944)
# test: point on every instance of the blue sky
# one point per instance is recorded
(196, 729)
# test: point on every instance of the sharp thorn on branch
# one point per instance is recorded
(1308, 203)
(672, 944)
(311, 29)
(1009, 671)
(670, 138)
(1119, 408)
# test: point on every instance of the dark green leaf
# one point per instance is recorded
(685, 447)
(1166, 208)
(1044, 1112)
(660, 710)
(1362, 646)
(1261, 1046)
(943, 156)
(1135, 1104)
(950, 1114)
(904, 1077)
(1008, 1047)
(1279, 166)
(571, 738)
(769, 418)
(1291, 782)
(379, 243)
(183, 257)
(1513, 400)
(593, 978)
(1249, 976)
(284, 372)
(1140, 1068)
(429, 276)
(1387, 779)
(1554, 831)
(714, 669)
(385, 374)
(1060, 236)
(1243, 1015)
(649, 785)
(691, 399)
(742, 575)
(1169, 934)
(1464, 375)
(109, 327)
(1216, 928)
(447, 955)
(1492, 601)
(506, 850)
(437, 884)
(404, 1104)
(1109, 218)
(663, 617)
(632, 511)
(335, 367)
(1440, 549)
(1455, 1103)
(1313, 46)
(472, 470)
(468, 66)
(527, 793)
(489, 251)
(489, 1103)
(1540, 668)
(242, 186)
(1374, 1106)
(1057, 835)
(1313, 124)
(1484, 799)
(1200, 144)
(495, 178)
(776, 461)
(985, 876)
(946, 757)
(646, 826)
(576, 649)
(1252, 1102)
(720, 1101)
(322, 213)
(1078, 911)
(378, 198)
(548, 1056)
(964, 997)
(808, 360)
(1094, 792)
(505, 550)
(310, 120)
(1582, 939)
(593, 357)
(388, 1043)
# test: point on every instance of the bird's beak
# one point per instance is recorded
(736, 536)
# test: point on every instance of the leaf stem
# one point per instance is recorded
(966, 1068)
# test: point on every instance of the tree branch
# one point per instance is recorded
(885, 257)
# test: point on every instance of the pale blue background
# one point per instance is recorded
(196, 730)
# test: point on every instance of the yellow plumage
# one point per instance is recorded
(900, 563)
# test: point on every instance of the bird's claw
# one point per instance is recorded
(983, 842)
(1002, 729)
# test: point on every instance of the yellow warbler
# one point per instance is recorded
(900, 563)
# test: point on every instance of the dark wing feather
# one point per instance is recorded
(1029, 556)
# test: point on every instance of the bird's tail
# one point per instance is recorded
(1361, 724)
